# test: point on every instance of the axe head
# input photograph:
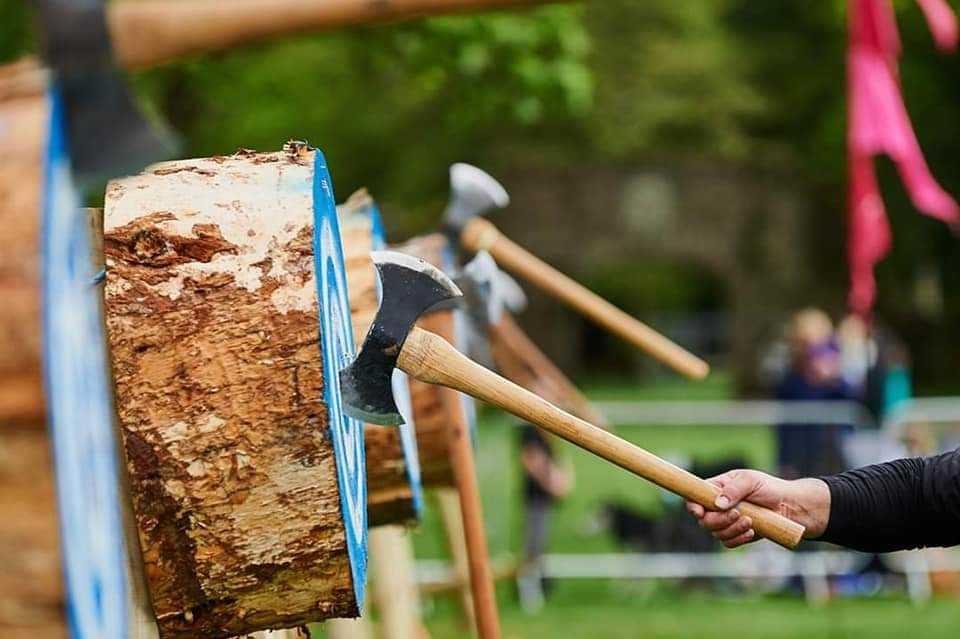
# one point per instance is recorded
(472, 192)
(107, 133)
(410, 287)
(478, 282)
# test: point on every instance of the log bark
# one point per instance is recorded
(390, 497)
(24, 115)
(212, 317)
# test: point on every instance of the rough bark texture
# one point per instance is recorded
(389, 495)
(212, 319)
(429, 412)
(23, 137)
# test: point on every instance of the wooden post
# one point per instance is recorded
(394, 583)
(449, 503)
(212, 306)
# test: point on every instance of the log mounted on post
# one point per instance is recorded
(430, 411)
(247, 480)
(394, 493)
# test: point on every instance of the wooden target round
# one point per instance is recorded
(31, 592)
(430, 412)
(394, 490)
(228, 320)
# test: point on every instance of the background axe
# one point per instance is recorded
(473, 192)
(499, 342)
(412, 286)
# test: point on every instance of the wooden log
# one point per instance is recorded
(247, 479)
(31, 592)
(394, 493)
(24, 116)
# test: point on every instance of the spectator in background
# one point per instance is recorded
(544, 482)
(814, 374)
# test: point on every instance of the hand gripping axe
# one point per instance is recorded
(410, 287)
(473, 192)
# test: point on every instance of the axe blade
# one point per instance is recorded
(107, 133)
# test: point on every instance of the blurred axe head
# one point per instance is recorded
(108, 135)
(472, 192)
(487, 293)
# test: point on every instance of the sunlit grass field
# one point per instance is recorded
(601, 608)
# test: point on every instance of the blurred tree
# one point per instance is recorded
(611, 82)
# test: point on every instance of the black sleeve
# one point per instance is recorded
(903, 504)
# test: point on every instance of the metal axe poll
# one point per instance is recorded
(410, 287)
(474, 192)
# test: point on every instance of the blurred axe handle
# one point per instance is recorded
(432, 359)
(148, 33)
(521, 361)
(479, 234)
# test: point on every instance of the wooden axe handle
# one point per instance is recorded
(151, 32)
(432, 359)
(480, 234)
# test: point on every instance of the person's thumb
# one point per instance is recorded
(735, 486)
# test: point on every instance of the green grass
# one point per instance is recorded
(621, 609)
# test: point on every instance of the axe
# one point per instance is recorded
(410, 287)
(473, 192)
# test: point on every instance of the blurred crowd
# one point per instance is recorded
(820, 361)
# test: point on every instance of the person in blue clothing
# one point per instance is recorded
(814, 375)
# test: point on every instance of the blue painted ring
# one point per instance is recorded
(338, 349)
(79, 397)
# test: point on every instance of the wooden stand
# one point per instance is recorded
(212, 309)
(461, 460)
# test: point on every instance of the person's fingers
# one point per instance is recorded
(734, 530)
(714, 521)
(740, 540)
(735, 486)
(695, 509)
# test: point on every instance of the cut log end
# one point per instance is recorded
(212, 312)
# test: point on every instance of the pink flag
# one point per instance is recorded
(878, 123)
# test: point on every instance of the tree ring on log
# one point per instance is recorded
(394, 491)
(228, 321)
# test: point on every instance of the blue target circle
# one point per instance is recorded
(401, 391)
(338, 349)
(79, 397)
